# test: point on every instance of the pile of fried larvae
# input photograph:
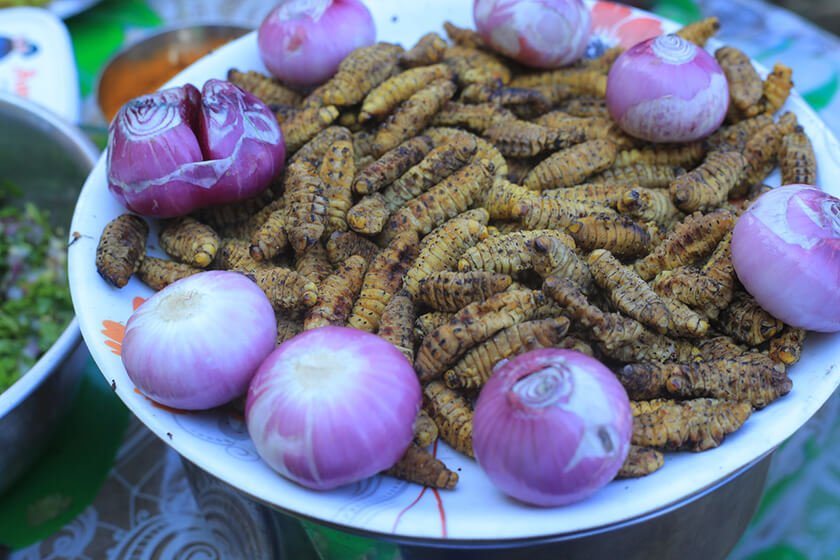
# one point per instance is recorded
(468, 210)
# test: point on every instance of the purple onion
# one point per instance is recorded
(331, 406)
(302, 42)
(666, 89)
(551, 426)
(786, 252)
(538, 33)
(176, 150)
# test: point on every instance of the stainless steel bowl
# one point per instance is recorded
(177, 46)
(49, 159)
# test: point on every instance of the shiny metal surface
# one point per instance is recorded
(704, 527)
(49, 159)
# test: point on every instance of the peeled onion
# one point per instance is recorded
(551, 426)
(302, 42)
(538, 33)
(333, 405)
(179, 149)
(666, 89)
(786, 252)
(197, 343)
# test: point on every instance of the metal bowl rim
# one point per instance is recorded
(71, 336)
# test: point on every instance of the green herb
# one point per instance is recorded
(35, 304)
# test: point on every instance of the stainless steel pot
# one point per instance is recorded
(705, 526)
(49, 159)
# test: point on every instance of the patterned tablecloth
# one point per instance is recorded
(119, 492)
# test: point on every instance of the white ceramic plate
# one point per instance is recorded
(217, 440)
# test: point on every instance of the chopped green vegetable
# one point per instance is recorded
(35, 304)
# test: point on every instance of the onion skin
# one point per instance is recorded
(331, 406)
(785, 251)
(666, 89)
(179, 149)
(302, 42)
(197, 343)
(537, 33)
(551, 427)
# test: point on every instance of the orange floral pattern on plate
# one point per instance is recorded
(617, 25)
(115, 331)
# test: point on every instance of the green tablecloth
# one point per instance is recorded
(87, 498)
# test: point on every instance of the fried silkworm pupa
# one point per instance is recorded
(473, 65)
(452, 414)
(427, 322)
(396, 89)
(428, 50)
(708, 186)
(693, 238)
(235, 254)
(476, 367)
(640, 461)
(158, 273)
(503, 198)
(699, 32)
(797, 159)
(369, 215)
(286, 289)
(121, 248)
(553, 213)
(478, 117)
(269, 90)
(745, 85)
(776, 90)
(786, 347)
(447, 199)
(413, 115)
(314, 263)
(571, 166)
(360, 71)
(270, 239)
(551, 257)
(392, 165)
(517, 138)
(450, 291)
(748, 377)
(336, 295)
(189, 241)
(289, 324)
(475, 323)
(462, 36)
(580, 81)
(425, 429)
(686, 155)
(306, 219)
(245, 229)
(441, 162)
(382, 280)
(745, 321)
(628, 292)
(486, 150)
(694, 425)
(585, 106)
(441, 250)
(337, 172)
(618, 234)
(396, 325)
(314, 150)
(649, 205)
(719, 347)
(642, 175)
(421, 467)
(342, 245)
(301, 127)
(508, 253)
